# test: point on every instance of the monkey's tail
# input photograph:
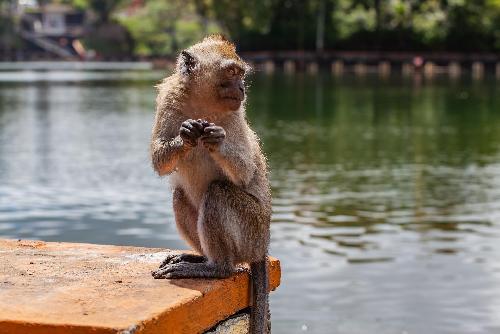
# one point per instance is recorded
(260, 317)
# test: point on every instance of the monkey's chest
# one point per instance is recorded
(195, 172)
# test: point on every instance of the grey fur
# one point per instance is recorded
(222, 199)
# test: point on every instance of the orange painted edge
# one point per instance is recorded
(201, 314)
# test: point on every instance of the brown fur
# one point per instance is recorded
(222, 199)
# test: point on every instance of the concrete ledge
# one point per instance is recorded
(85, 288)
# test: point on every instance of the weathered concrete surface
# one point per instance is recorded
(83, 288)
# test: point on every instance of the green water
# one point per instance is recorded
(386, 192)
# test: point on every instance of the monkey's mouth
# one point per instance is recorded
(231, 92)
(232, 102)
(232, 98)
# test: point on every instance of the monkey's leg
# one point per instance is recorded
(186, 217)
(218, 239)
(242, 231)
(235, 225)
(228, 219)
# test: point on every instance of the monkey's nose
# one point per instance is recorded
(241, 87)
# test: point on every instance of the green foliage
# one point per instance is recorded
(101, 8)
(352, 17)
(164, 27)
(429, 21)
(110, 40)
(9, 40)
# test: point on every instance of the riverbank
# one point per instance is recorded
(382, 63)
(336, 63)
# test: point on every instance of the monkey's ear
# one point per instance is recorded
(186, 63)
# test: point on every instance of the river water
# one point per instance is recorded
(386, 212)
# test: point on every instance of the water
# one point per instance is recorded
(386, 192)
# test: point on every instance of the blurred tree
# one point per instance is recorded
(9, 41)
(429, 23)
(164, 27)
(103, 9)
(472, 25)
(202, 8)
(240, 18)
(108, 37)
(493, 7)
(320, 26)
(275, 24)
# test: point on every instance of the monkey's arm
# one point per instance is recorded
(237, 165)
(166, 149)
(233, 154)
(165, 153)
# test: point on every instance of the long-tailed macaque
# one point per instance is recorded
(221, 194)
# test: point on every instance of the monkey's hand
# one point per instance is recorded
(190, 131)
(212, 137)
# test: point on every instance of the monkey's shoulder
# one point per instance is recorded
(170, 99)
(170, 85)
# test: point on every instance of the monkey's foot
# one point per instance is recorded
(177, 258)
(193, 270)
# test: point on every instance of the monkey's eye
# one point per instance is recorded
(234, 71)
(231, 71)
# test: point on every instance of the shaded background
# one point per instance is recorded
(138, 29)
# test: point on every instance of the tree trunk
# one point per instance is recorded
(320, 27)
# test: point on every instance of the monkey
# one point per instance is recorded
(218, 172)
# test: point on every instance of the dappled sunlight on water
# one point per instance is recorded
(386, 212)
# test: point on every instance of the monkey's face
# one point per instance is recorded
(231, 88)
(214, 74)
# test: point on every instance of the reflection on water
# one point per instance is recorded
(386, 193)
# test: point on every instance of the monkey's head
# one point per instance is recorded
(213, 74)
